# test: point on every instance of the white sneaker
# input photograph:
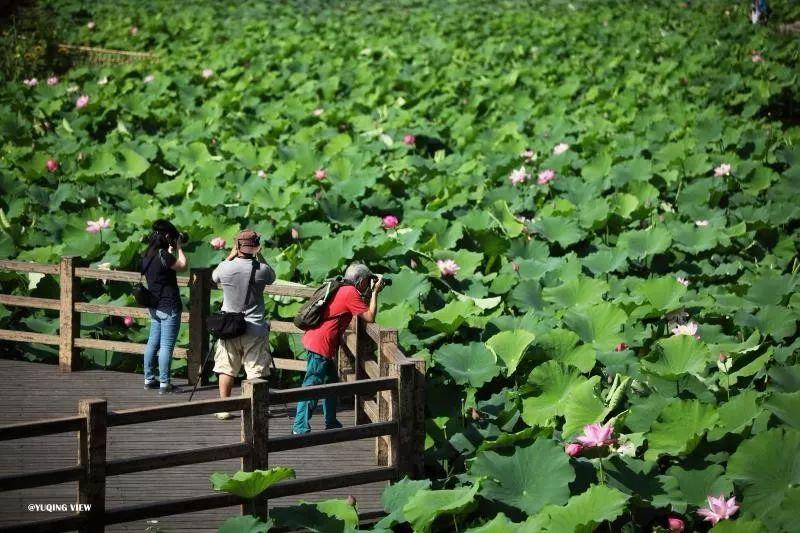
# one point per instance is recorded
(224, 415)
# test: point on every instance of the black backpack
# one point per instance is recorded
(310, 314)
(228, 325)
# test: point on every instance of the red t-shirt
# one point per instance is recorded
(324, 339)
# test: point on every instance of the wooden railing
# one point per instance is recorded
(94, 421)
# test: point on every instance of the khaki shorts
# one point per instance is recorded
(250, 350)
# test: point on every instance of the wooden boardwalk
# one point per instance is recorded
(34, 391)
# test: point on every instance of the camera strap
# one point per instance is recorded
(250, 285)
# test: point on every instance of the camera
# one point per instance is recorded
(183, 237)
(386, 281)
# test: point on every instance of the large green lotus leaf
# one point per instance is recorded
(786, 378)
(326, 255)
(691, 487)
(498, 524)
(132, 164)
(695, 239)
(472, 364)
(730, 348)
(510, 346)
(244, 524)
(407, 287)
(580, 291)
(563, 230)
(531, 478)
(677, 356)
(250, 484)
(777, 321)
(740, 525)
(786, 406)
(396, 317)
(582, 407)
(679, 428)
(642, 243)
(664, 294)
(769, 288)
(635, 477)
(605, 261)
(562, 346)
(557, 384)
(593, 213)
(450, 317)
(583, 513)
(736, 414)
(507, 221)
(340, 509)
(426, 505)
(527, 295)
(598, 325)
(768, 467)
(395, 497)
(309, 517)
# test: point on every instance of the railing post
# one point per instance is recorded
(417, 450)
(401, 450)
(199, 309)
(387, 336)
(362, 353)
(92, 450)
(69, 323)
(255, 432)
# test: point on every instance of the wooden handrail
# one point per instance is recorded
(123, 347)
(364, 431)
(41, 479)
(25, 266)
(333, 390)
(29, 301)
(141, 415)
(28, 336)
(51, 525)
(184, 457)
(118, 310)
(25, 430)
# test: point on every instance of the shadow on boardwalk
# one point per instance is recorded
(34, 391)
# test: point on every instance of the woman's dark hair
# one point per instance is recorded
(163, 235)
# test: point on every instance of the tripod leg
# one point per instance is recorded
(202, 368)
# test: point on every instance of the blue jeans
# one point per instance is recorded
(164, 326)
(320, 370)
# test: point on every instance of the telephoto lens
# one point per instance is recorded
(183, 237)
(386, 281)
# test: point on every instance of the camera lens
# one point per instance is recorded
(183, 236)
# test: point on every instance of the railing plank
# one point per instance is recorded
(29, 301)
(369, 386)
(370, 368)
(365, 431)
(51, 525)
(123, 347)
(290, 364)
(38, 428)
(118, 310)
(40, 479)
(28, 336)
(130, 513)
(280, 326)
(25, 266)
(175, 410)
(118, 275)
(333, 481)
(185, 457)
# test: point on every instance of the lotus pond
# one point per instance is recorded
(589, 211)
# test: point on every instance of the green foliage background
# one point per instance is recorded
(560, 314)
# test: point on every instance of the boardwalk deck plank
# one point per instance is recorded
(36, 391)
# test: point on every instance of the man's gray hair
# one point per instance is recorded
(357, 272)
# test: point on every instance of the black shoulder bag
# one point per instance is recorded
(144, 296)
(226, 325)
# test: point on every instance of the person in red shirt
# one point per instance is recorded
(322, 342)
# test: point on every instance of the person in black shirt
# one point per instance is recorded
(164, 256)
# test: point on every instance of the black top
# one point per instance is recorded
(162, 280)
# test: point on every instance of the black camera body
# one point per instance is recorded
(386, 281)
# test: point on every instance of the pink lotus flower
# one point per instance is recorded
(128, 321)
(597, 435)
(390, 221)
(31, 82)
(82, 101)
(685, 329)
(718, 509)
(528, 155)
(560, 148)
(545, 176)
(620, 347)
(218, 243)
(134, 30)
(518, 176)
(573, 449)
(320, 174)
(676, 525)
(413, 263)
(723, 170)
(207, 73)
(722, 357)
(149, 78)
(682, 281)
(261, 174)
(756, 57)
(701, 223)
(447, 267)
(295, 234)
(94, 226)
(318, 111)
(52, 80)
(409, 139)
(52, 165)
(90, 25)
(101, 81)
